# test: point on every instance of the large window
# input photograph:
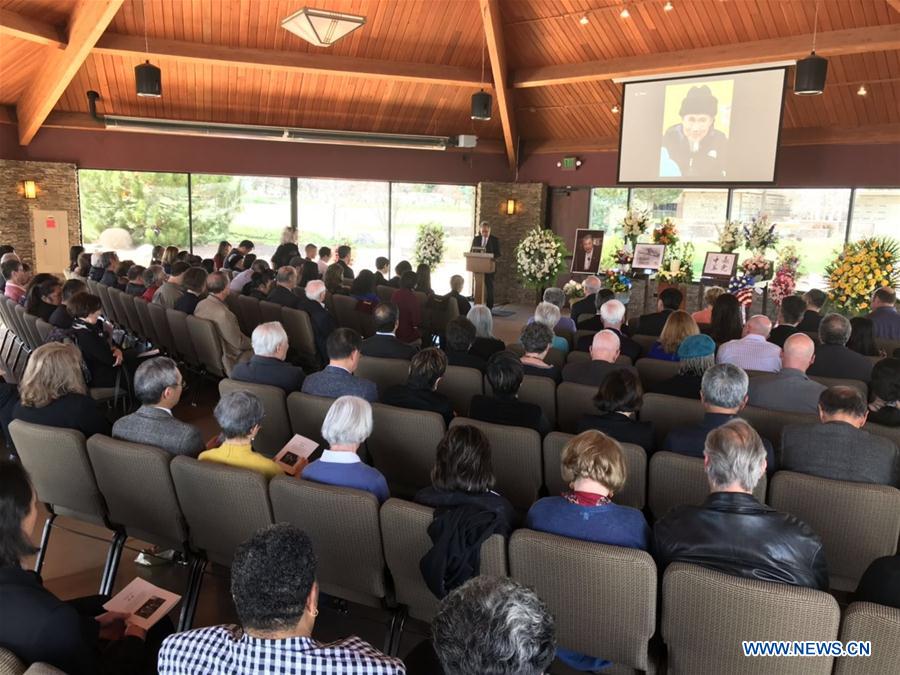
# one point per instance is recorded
(608, 207)
(876, 213)
(132, 211)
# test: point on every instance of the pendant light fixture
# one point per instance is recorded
(482, 101)
(147, 77)
(810, 73)
(322, 27)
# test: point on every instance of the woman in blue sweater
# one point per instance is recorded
(594, 466)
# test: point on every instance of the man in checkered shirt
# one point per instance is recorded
(276, 596)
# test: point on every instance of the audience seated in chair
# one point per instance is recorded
(536, 338)
(337, 379)
(16, 275)
(696, 355)
(61, 317)
(52, 392)
(884, 393)
(154, 277)
(235, 345)
(485, 345)
(382, 271)
(833, 358)
(44, 297)
(884, 314)
(612, 317)
(456, 286)
(596, 320)
(505, 375)
(77, 636)
(109, 261)
(604, 352)
(240, 414)
(880, 583)
(704, 316)
(135, 286)
(586, 307)
(789, 315)
(618, 402)
(283, 291)
(668, 301)
(678, 326)
(419, 393)
(459, 336)
(409, 309)
(556, 297)
(727, 319)
(790, 390)
(193, 282)
(547, 313)
(260, 284)
(346, 427)
(723, 392)
(277, 619)
(753, 351)
(731, 531)
(158, 385)
(400, 269)
(384, 344)
(267, 366)
(102, 360)
(363, 289)
(251, 265)
(862, 337)
(812, 317)
(323, 323)
(838, 448)
(167, 294)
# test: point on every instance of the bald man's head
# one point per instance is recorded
(605, 346)
(798, 352)
(758, 325)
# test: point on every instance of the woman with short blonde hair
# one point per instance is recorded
(709, 299)
(678, 326)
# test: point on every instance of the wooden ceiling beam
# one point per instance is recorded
(830, 43)
(23, 28)
(88, 21)
(895, 4)
(284, 61)
(496, 47)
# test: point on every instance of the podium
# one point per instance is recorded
(480, 264)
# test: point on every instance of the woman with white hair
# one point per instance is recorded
(485, 344)
(547, 313)
(556, 296)
(287, 249)
(347, 426)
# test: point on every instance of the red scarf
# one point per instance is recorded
(586, 498)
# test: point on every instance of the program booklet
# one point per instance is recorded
(295, 454)
(142, 604)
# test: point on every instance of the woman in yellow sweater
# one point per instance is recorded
(239, 415)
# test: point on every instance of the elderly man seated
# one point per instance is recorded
(586, 307)
(235, 345)
(322, 321)
(790, 389)
(604, 352)
(731, 531)
(753, 351)
(833, 357)
(267, 366)
(612, 317)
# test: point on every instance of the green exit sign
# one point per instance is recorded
(569, 163)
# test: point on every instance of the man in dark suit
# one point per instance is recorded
(267, 366)
(789, 315)
(460, 336)
(604, 352)
(282, 293)
(586, 305)
(384, 344)
(322, 322)
(456, 286)
(490, 244)
(815, 299)
(338, 379)
(833, 357)
(587, 256)
(595, 321)
(344, 260)
(667, 302)
(838, 448)
(884, 314)
(611, 315)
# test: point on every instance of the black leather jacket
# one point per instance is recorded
(733, 533)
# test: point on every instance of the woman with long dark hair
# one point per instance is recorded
(43, 297)
(423, 279)
(221, 253)
(363, 288)
(74, 252)
(726, 321)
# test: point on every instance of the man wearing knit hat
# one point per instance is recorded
(695, 146)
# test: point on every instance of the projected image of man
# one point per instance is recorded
(587, 258)
(694, 147)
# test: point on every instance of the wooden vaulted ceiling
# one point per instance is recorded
(415, 64)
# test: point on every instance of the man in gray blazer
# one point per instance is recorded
(158, 385)
(838, 448)
(789, 390)
(337, 378)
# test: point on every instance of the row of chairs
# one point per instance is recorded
(369, 555)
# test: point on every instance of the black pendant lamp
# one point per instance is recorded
(481, 105)
(809, 73)
(148, 79)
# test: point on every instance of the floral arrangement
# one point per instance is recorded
(742, 288)
(616, 281)
(729, 236)
(666, 233)
(429, 245)
(861, 268)
(539, 258)
(759, 236)
(573, 289)
(757, 266)
(678, 267)
(623, 257)
(634, 224)
(786, 270)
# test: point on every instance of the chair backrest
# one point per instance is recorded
(44, 329)
(345, 312)
(843, 382)
(577, 357)
(678, 479)
(403, 445)
(223, 505)
(576, 578)
(404, 529)
(887, 345)
(516, 458)
(573, 401)
(181, 336)
(555, 358)
(275, 430)
(250, 315)
(460, 384)
(654, 371)
(34, 335)
(56, 459)
(10, 664)
(22, 329)
(116, 300)
(307, 412)
(206, 343)
(232, 301)
(384, 293)
(137, 486)
(109, 310)
(633, 494)
(269, 311)
(134, 321)
(878, 624)
(300, 336)
(770, 423)
(345, 530)
(383, 372)
(857, 522)
(891, 433)
(161, 326)
(706, 614)
(669, 412)
(645, 341)
(148, 330)
(567, 334)
(538, 390)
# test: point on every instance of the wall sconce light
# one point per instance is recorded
(29, 189)
(510, 207)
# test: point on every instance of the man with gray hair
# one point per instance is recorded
(235, 345)
(604, 352)
(556, 296)
(158, 385)
(267, 366)
(723, 393)
(586, 306)
(612, 317)
(753, 351)
(108, 261)
(833, 357)
(322, 322)
(283, 291)
(731, 531)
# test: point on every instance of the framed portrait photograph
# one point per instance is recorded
(648, 257)
(586, 251)
(719, 265)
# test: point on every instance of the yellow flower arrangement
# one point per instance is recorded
(861, 268)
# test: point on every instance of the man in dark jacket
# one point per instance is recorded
(586, 305)
(267, 366)
(282, 293)
(731, 531)
(322, 322)
(789, 315)
(833, 357)
(815, 299)
(384, 344)
(345, 258)
(667, 302)
(489, 244)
